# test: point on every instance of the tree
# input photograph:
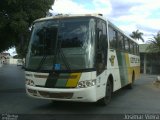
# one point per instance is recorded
(137, 35)
(16, 16)
(154, 45)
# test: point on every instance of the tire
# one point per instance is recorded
(108, 94)
(130, 86)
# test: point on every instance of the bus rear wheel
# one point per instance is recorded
(108, 94)
(130, 86)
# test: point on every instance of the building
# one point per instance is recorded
(150, 62)
(4, 58)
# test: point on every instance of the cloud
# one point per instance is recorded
(132, 15)
(102, 6)
(81, 7)
(12, 51)
(128, 15)
(68, 7)
(121, 7)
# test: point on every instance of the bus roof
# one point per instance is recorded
(61, 16)
(70, 16)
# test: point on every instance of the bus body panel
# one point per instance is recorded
(79, 94)
(68, 86)
(121, 66)
(113, 69)
(36, 87)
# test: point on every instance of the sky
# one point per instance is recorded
(128, 15)
(12, 51)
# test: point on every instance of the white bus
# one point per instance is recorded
(79, 58)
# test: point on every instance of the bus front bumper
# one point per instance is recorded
(60, 94)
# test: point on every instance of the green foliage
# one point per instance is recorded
(16, 16)
(137, 35)
(154, 44)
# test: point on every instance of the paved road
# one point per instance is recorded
(143, 98)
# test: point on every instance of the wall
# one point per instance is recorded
(13, 61)
(0, 63)
(150, 63)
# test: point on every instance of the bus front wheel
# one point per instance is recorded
(108, 94)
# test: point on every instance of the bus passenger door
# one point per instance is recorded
(101, 47)
(101, 57)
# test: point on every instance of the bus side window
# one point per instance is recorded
(101, 47)
(112, 37)
(138, 49)
(131, 47)
(120, 43)
(127, 48)
(135, 49)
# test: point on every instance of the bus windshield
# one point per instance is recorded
(62, 44)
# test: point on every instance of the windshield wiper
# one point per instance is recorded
(41, 62)
(64, 59)
(60, 51)
(44, 55)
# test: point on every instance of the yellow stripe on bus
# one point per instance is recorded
(73, 80)
(137, 72)
(129, 68)
(127, 59)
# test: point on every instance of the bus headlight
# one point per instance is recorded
(30, 82)
(87, 83)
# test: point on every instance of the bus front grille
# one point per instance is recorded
(56, 95)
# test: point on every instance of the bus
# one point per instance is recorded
(83, 58)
